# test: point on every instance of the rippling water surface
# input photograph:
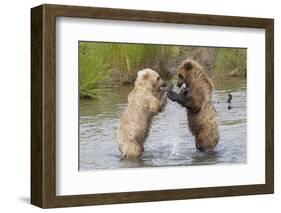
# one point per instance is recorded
(169, 143)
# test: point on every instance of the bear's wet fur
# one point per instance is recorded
(201, 113)
(145, 101)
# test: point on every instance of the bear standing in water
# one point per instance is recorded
(145, 101)
(197, 99)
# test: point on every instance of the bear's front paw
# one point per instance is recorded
(172, 95)
(184, 91)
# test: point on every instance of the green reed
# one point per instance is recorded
(105, 65)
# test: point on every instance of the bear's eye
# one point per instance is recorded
(180, 76)
(158, 78)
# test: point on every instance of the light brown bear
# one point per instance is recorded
(145, 101)
(201, 113)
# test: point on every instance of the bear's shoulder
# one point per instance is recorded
(139, 95)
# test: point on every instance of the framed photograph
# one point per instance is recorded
(136, 106)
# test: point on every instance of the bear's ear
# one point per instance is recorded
(188, 65)
(142, 74)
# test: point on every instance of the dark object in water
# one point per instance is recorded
(229, 101)
(229, 98)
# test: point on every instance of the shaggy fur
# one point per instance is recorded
(201, 113)
(145, 101)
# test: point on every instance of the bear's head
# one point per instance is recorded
(149, 79)
(191, 73)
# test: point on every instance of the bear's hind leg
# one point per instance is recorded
(131, 150)
(205, 144)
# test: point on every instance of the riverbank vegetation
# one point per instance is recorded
(103, 64)
(230, 62)
(107, 65)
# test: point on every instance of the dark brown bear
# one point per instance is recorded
(201, 113)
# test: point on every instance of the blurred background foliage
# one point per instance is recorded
(107, 65)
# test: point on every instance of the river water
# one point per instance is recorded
(169, 143)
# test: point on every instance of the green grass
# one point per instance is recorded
(108, 64)
(227, 60)
(93, 70)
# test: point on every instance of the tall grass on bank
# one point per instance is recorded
(108, 64)
(93, 69)
(231, 62)
(104, 65)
